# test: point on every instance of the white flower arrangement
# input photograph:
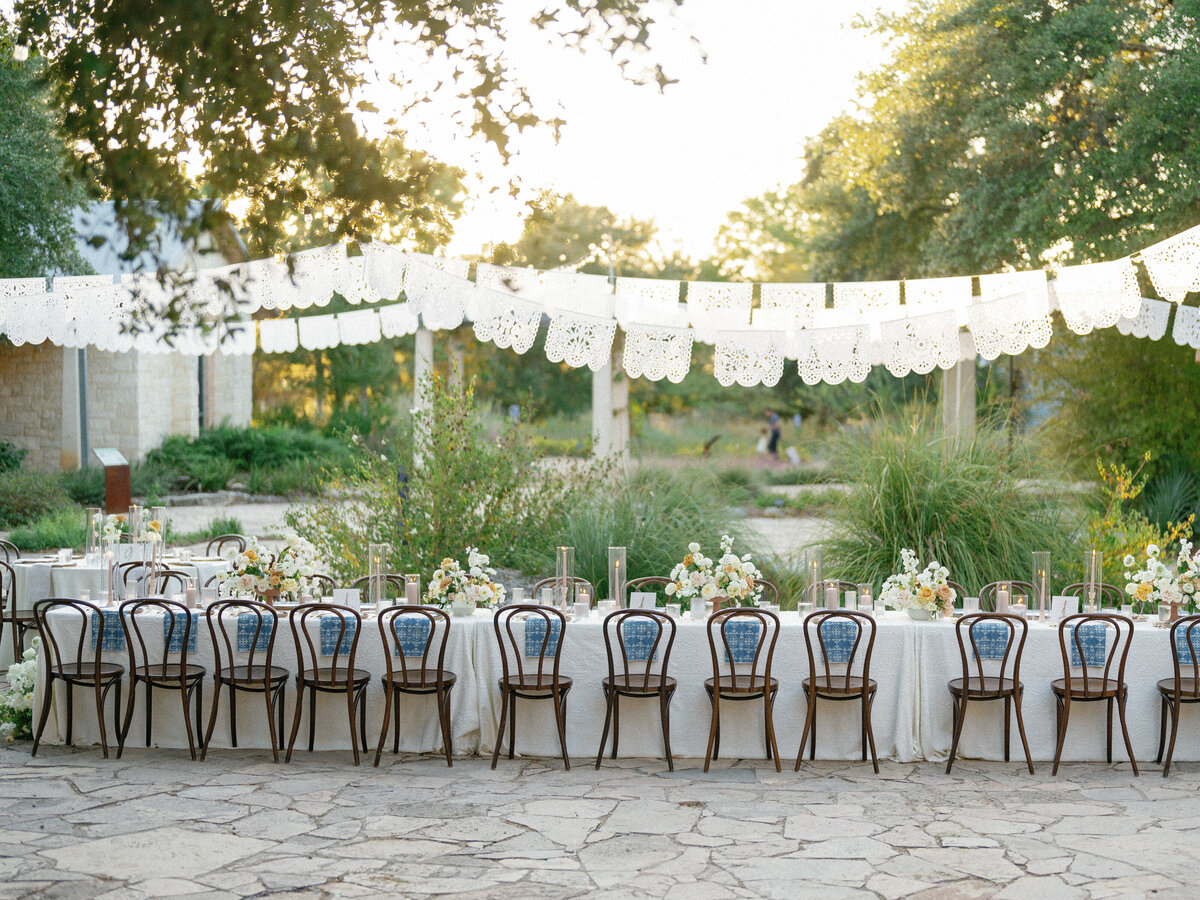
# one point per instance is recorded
(16, 704)
(115, 526)
(475, 584)
(254, 571)
(914, 588)
(1156, 582)
(700, 577)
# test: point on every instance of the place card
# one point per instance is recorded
(348, 597)
(1063, 607)
(643, 600)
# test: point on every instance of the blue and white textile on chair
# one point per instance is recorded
(743, 638)
(331, 632)
(175, 645)
(1093, 636)
(114, 633)
(247, 625)
(639, 636)
(990, 639)
(838, 637)
(412, 634)
(535, 633)
(1183, 653)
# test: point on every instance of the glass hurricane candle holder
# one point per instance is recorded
(377, 566)
(92, 526)
(564, 578)
(618, 574)
(412, 588)
(1041, 582)
(1093, 567)
(812, 575)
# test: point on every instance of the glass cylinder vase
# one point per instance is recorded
(564, 578)
(412, 588)
(134, 523)
(1041, 582)
(812, 576)
(1093, 577)
(93, 523)
(618, 575)
(377, 570)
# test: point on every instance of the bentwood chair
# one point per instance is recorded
(76, 670)
(10, 551)
(416, 636)
(996, 643)
(153, 582)
(839, 636)
(531, 668)
(393, 586)
(322, 585)
(218, 545)
(642, 657)
(19, 621)
(580, 583)
(646, 584)
(1108, 595)
(1184, 687)
(770, 593)
(987, 593)
(818, 602)
(1099, 647)
(747, 637)
(337, 639)
(155, 630)
(243, 640)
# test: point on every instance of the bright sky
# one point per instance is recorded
(776, 72)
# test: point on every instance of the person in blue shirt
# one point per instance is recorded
(776, 432)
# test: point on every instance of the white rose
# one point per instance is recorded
(693, 548)
(669, 590)
(1129, 561)
(708, 591)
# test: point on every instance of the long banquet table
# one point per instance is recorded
(913, 661)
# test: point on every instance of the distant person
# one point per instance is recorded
(797, 421)
(776, 431)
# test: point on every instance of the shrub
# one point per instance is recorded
(58, 528)
(961, 504)
(219, 525)
(11, 456)
(26, 495)
(84, 486)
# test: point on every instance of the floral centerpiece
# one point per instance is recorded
(112, 527)
(16, 704)
(922, 593)
(1157, 582)
(465, 589)
(699, 577)
(254, 571)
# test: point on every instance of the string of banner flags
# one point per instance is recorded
(832, 333)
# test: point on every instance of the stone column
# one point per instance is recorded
(422, 367)
(610, 406)
(458, 355)
(958, 401)
(602, 410)
(71, 448)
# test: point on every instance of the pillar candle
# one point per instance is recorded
(831, 596)
(1001, 601)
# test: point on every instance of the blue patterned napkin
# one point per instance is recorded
(114, 633)
(412, 634)
(175, 642)
(1183, 653)
(1094, 638)
(535, 633)
(246, 626)
(333, 641)
(838, 636)
(743, 641)
(639, 636)
(991, 639)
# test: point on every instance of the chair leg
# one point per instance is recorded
(45, 717)
(1125, 729)
(1108, 749)
(280, 704)
(312, 718)
(1162, 727)
(500, 730)
(608, 713)
(560, 714)
(117, 707)
(772, 747)
(960, 716)
(1064, 716)
(1021, 728)
(812, 747)
(270, 697)
(350, 697)
(512, 723)
(388, 699)
(871, 734)
(1175, 711)
(444, 712)
(713, 727)
(295, 720)
(123, 731)
(185, 696)
(664, 712)
(1007, 722)
(232, 715)
(70, 713)
(212, 719)
(616, 722)
(362, 717)
(198, 703)
(808, 721)
(149, 710)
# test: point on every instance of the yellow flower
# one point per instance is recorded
(252, 556)
(155, 525)
(1143, 591)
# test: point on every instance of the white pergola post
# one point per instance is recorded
(958, 401)
(71, 447)
(602, 410)
(458, 357)
(610, 407)
(422, 367)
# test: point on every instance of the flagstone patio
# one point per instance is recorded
(155, 824)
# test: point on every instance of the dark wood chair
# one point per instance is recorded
(960, 600)
(996, 643)
(654, 583)
(10, 551)
(643, 665)
(221, 541)
(339, 677)
(143, 619)
(156, 582)
(76, 670)
(393, 586)
(1109, 595)
(770, 593)
(839, 635)
(550, 582)
(322, 585)
(1099, 646)
(1184, 687)
(413, 633)
(243, 639)
(819, 602)
(747, 636)
(530, 672)
(987, 593)
(19, 621)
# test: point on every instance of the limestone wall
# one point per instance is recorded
(31, 402)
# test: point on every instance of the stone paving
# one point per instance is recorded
(156, 824)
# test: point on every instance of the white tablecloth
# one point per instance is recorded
(911, 718)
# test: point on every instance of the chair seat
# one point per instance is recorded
(1189, 688)
(738, 686)
(169, 672)
(251, 674)
(21, 615)
(639, 684)
(839, 686)
(989, 685)
(535, 684)
(421, 681)
(325, 677)
(87, 671)
(1097, 688)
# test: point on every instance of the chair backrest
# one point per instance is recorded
(58, 654)
(167, 626)
(221, 541)
(535, 592)
(322, 585)
(244, 629)
(747, 636)
(639, 636)
(337, 638)
(10, 551)
(171, 581)
(959, 590)
(1185, 651)
(654, 583)
(1098, 644)
(994, 640)
(393, 586)
(8, 590)
(987, 593)
(842, 586)
(770, 593)
(541, 642)
(1109, 594)
(838, 636)
(415, 633)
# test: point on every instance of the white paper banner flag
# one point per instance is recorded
(1174, 265)
(748, 358)
(654, 352)
(278, 335)
(397, 320)
(1150, 322)
(1096, 295)
(580, 340)
(359, 327)
(318, 332)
